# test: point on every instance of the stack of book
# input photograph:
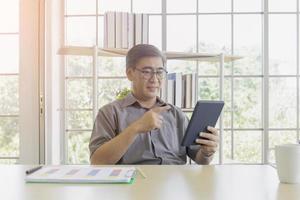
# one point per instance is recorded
(124, 30)
(182, 90)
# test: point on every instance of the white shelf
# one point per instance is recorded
(106, 52)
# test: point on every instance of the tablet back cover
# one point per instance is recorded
(206, 113)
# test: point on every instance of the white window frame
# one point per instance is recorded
(31, 82)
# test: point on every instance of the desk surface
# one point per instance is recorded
(225, 182)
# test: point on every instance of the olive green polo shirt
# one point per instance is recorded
(158, 146)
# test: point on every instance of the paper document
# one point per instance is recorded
(82, 174)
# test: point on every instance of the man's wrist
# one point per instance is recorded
(133, 129)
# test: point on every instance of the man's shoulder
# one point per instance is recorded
(112, 106)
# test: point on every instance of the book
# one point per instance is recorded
(119, 28)
(82, 174)
(138, 28)
(145, 29)
(194, 89)
(125, 30)
(188, 90)
(105, 40)
(171, 92)
(177, 77)
(111, 30)
(183, 103)
(130, 30)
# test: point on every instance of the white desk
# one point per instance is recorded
(225, 182)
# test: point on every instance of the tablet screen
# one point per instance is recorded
(206, 113)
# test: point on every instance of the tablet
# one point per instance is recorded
(206, 113)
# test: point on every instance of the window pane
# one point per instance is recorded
(208, 89)
(9, 10)
(8, 161)
(100, 32)
(9, 136)
(9, 95)
(146, 6)
(108, 66)
(215, 159)
(181, 66)
(280, 137)
(208, 68)
(108, 89)
(181, 33)
(282, 44)
(247, 103)
(80, 7)
(214, 6)
(179, 6)
(9, 48)
(282, 5)
(248, 5)
(227, 147)
(247, 146)
(79, 119)
(74, 31)
(79, 65)
(210, 39)
(78, 151)
(155, 31)
(115, 5)
(79, 93)
(282, 108)
(248, 43)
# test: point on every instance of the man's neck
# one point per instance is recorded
(146, 103)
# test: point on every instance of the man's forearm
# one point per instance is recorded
(203, 159)
(112, 151)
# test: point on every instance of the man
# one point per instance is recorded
(142, 128)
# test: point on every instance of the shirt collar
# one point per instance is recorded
(130, 100)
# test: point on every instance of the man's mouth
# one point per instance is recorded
(152, 87)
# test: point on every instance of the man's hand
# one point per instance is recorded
(152, 119)
(209, 145)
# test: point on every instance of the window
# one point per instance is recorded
(19, 96)
(9, 84)
(231, 27)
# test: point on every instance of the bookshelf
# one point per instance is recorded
(114, 52)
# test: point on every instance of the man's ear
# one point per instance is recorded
(129, 73)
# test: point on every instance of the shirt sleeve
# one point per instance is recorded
(104, 128)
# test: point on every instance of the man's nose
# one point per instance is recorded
(154, 77)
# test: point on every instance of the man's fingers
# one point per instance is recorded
(209, 136)
(161, 109)
(207, 142)
(212, 130)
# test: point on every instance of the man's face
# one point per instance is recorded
(147, 77)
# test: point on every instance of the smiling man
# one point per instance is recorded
(142, 128)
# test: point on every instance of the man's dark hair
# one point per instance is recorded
(141, 51)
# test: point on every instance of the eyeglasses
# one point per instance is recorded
(148, 73)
